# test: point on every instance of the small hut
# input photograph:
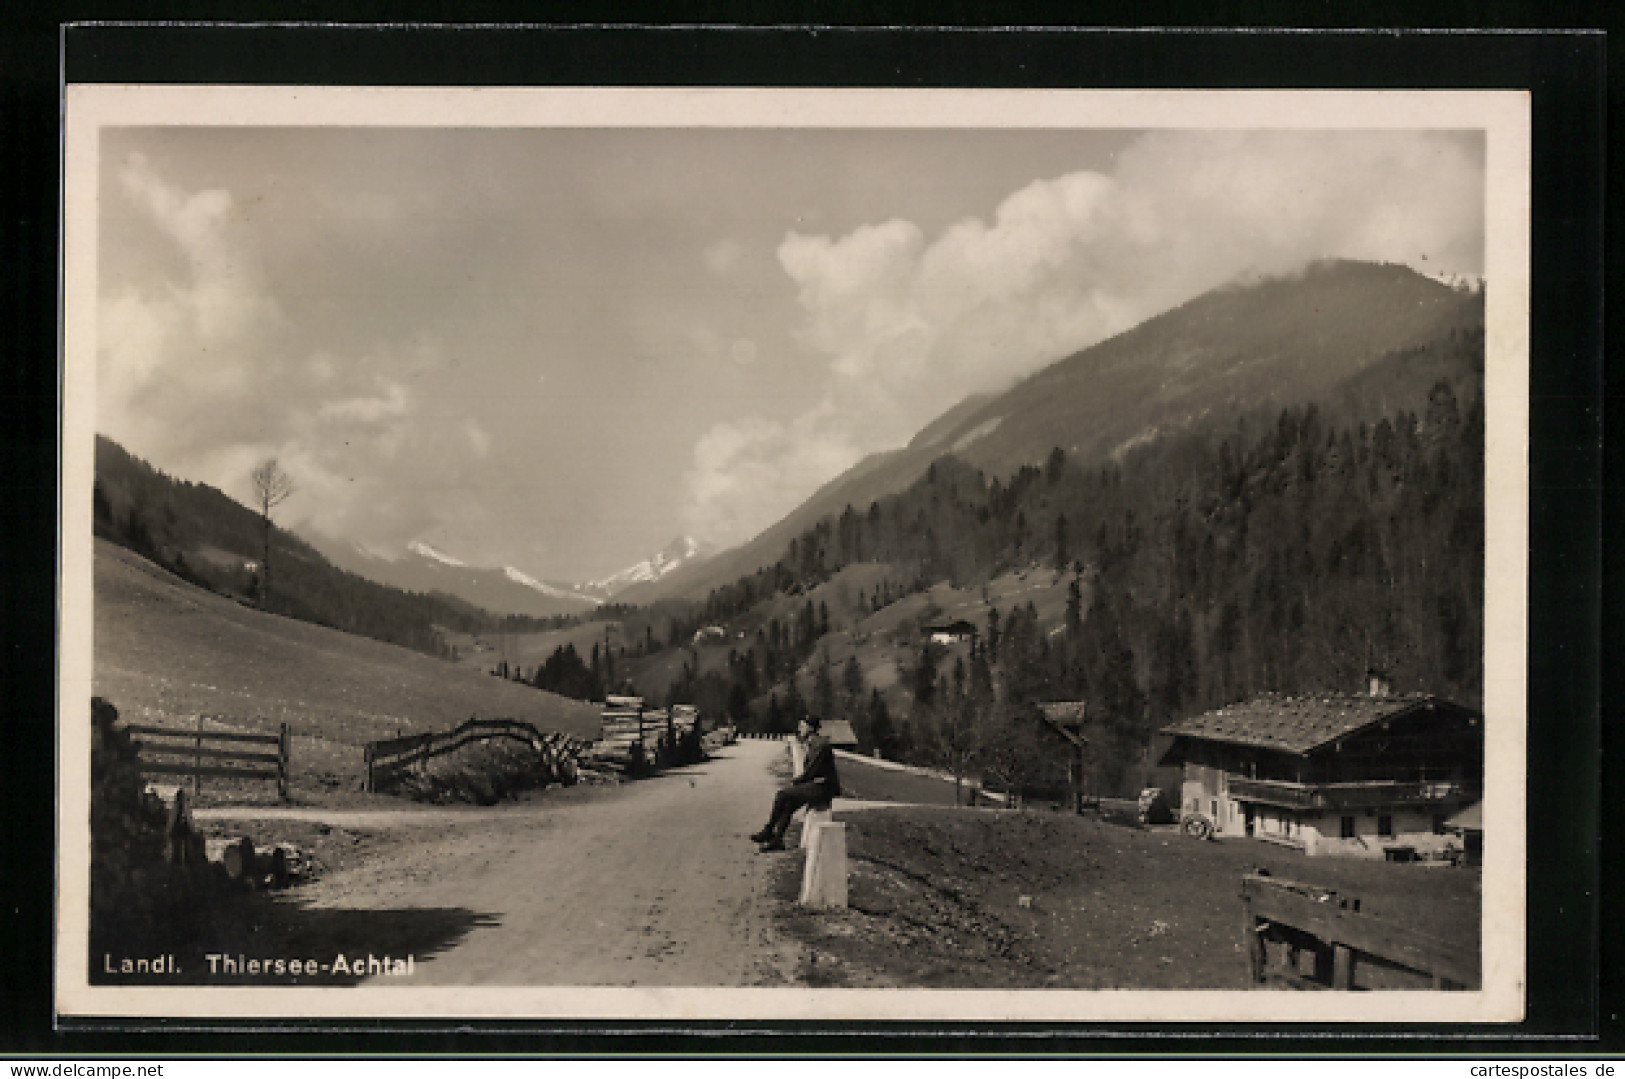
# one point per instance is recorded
(840, 734)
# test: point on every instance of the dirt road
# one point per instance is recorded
(656, 885)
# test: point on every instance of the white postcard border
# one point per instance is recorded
(1503, 115)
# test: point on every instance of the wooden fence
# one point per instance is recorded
(388, 758)
(1301, 917)
(200, 753)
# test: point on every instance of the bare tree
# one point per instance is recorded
(272, 486)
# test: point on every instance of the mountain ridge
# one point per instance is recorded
(421, 567)
(1245, 346)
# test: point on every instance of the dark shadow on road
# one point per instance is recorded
(333, 946)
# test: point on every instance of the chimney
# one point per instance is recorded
(1378, 683)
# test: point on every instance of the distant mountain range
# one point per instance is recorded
(505, 589)
(1333, 331)
(1270, 488)
(1239, 349)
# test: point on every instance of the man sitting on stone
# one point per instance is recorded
(816, 785)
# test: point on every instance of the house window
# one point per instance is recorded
(1385, 825)
(1347, 831)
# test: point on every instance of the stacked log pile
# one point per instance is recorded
(639, 740)
(621, 744)
(232, 863)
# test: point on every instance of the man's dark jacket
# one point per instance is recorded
(820, 767)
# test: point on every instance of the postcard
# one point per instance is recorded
(721, 553)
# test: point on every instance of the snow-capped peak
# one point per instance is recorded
(678, 552)
(418, 547)
(519, 576)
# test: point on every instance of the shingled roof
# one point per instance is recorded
(839, 732)
(1295, 724)
(1062, 713)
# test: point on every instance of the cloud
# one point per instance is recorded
(478, 438)
(908, 325)
(393, 402)
(171, 351)
(204, 373)
(723, 256)
(742, 468)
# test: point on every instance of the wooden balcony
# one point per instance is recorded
(1335, 796)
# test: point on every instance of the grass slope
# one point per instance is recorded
(936, 902)
(167, 652)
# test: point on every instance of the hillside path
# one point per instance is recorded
(656, 886)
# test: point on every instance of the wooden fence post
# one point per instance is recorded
(197, 761)
(1342, 967)
(284, 755)
(179, 825)
(1252, 943)
(1325, 963)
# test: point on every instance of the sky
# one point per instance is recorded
(559, 349)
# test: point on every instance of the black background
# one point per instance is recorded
(1575, 799)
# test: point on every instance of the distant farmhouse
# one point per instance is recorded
(950, 632)
(1370, 775)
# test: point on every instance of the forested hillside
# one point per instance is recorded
(212, 540)
(1263, 490)
(1286, 551)
(1285, 342)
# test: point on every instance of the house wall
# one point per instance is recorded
(1323, 834)
(1200, 791)
(1205, 790)
(1273, 822)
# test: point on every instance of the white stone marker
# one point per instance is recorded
(811, 819)
(823, 880)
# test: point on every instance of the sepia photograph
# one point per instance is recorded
(794, 554)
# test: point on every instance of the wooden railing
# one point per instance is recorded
(199, 753)
(1299, 917)
(1332, 796)
(388, 758)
